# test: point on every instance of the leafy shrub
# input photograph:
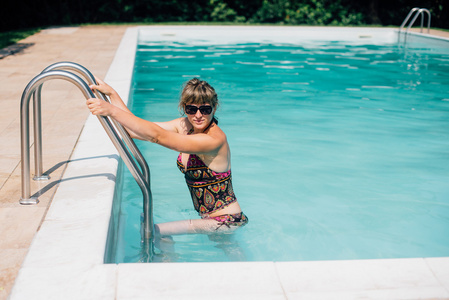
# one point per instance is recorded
(41, 13)
(311, 12)
(221, 12)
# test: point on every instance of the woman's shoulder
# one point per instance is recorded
(216, 132)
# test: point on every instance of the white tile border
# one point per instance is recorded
(276, 34)
(65, 260)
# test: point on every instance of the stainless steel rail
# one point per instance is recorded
(70, 66)
(421, 12)
(34, 88)
(418, 12)
(408, 17)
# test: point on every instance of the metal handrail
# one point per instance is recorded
(420, 11)
(408, 17)
(71, 66)
(26, 199)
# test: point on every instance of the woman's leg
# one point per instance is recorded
(218, 232)
(164, 231)
(173, 228)
(195, 226)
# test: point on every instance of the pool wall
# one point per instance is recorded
(416, 40)
(65, 260)
(269, 34)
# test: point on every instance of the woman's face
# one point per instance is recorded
(199, 116)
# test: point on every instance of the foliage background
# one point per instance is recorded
(40, 13)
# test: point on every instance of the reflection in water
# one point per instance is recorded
(165, 247)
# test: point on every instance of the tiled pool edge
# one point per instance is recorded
(65, 260)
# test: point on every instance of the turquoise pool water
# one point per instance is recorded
(339, 150)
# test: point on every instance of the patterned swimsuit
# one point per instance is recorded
(210, 191)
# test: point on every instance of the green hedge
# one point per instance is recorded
(40, 13)
(11, 37)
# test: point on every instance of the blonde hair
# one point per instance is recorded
(197, 92)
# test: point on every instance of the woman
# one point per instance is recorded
(204, 158)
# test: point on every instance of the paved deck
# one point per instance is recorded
(64, 115)
(434, 32)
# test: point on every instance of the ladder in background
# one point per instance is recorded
(416, 12)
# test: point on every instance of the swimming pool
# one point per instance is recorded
(67, 253)
(340, 148)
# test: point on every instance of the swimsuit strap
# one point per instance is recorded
(210, 124)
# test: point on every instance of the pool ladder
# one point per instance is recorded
(417, 12)
(118, 135)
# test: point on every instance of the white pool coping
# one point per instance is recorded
(65, 260)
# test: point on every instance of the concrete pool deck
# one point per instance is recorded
(63, 119)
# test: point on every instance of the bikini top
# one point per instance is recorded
(210, 190)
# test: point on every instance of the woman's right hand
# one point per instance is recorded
(99, 107)
(102, 87)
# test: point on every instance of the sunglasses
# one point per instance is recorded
(204, 109)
